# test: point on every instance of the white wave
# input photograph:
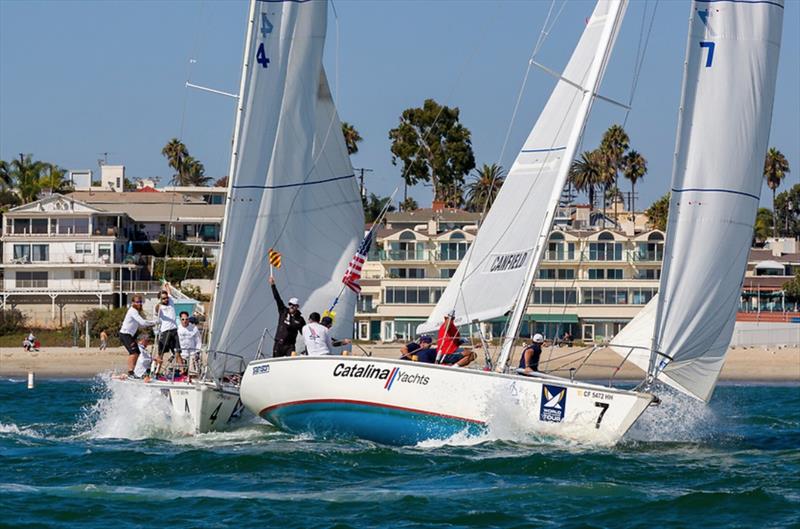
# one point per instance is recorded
(678, 418)
(25, 431)
(132, 411)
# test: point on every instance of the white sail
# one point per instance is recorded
(492, 275)
(728, 91)
(633, 342)
(292, 186)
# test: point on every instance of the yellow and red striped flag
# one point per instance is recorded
(274, 258)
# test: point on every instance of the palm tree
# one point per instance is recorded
(586, 173)
(485, 186)
(26, 174)
(763, 225)
(775, 168)
(176, 153)
(351, 137)
(54, 179)
(409, 204)
(634, 167)
(194, 173)
(613, 146)
(6, 182)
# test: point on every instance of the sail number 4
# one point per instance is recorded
(261, 56)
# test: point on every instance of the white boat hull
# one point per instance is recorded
(401, 402)
(208, 406)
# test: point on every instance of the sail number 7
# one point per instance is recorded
(710, 57)
(604, 409)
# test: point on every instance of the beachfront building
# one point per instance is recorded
(185, 216)
(591, 282)
(768, 269)
(62, 256)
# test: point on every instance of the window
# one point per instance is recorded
(40, 252)
(558, 250)
(162, 229)
(553, 296)
(547, 273)
(605, 251)
(22, 253)
(104, 252)
(407, 273)
(453, 251)
(104, 277)
(641, 296)
(651, 273)
(70, 226)
(412, 295)
(83, 248)
(604, 296)
(39, 226)
(22, 226)
(31, 279)
(602, 273)
(79, 274)
(364, 303)
(447, 273)
(553, 273)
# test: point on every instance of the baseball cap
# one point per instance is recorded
(538, 338)
(327, 320)
(425, 339)
(294, 301)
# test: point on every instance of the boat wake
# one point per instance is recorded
(125, 411)
(678, 419)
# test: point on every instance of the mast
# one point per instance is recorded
(594, 77)
(248, 47)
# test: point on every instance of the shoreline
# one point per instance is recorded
(743, 365)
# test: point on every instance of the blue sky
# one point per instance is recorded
(82, 78)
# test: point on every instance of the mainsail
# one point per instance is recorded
(728, 92)
(292, 187)
(492, 275)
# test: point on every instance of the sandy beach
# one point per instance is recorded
(743, 364)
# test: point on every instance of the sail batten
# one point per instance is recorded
(728, 93)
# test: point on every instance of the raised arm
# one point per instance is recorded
(276, 295)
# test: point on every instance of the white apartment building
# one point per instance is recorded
(62, 256)
(591, 282)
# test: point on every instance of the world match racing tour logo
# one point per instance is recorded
(390, 376)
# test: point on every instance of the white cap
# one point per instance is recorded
(538, 338)
(294, 301)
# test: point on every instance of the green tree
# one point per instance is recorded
(27, 176)
(222, 182)
(195, 173)
(52, 179)
(792, 287)
(409, 204)
(585, 174)
(176, 153)
(374, 205)
(612, 149)
(787, 209)
(763, 225)
(434, 147)
(485, 186)
(351, 137)
(6, 182)
(775, 169)
(658, 213)
(634, 167)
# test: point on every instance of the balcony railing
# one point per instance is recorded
(404, 255)
(108, 232)
(560, 256)
(30, 283)
(646, 257)
(141, 287)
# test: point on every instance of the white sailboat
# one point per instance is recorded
(291, 188)
(728, 90)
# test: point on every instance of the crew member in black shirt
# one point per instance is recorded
(290, 323)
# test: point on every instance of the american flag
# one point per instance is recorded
(353, 274)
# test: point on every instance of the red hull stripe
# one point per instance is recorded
(365, 403)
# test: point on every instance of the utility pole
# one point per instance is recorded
(361, 178)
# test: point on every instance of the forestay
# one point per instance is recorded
(292, 186)
(491, 277)
(728, 90)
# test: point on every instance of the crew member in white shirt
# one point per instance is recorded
(145, 359)
(318, 337)
(190, 340)
(168, 324)
(130, 326)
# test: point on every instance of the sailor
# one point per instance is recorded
(144, 360)
(168, 330)
(130, 326)
(425, 354)
(407, 351)
(529, 361)
(189, 339)
(448, 338)
(290, 323)
(460, 357)
(317, 336)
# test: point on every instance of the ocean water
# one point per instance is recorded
(75, 453)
